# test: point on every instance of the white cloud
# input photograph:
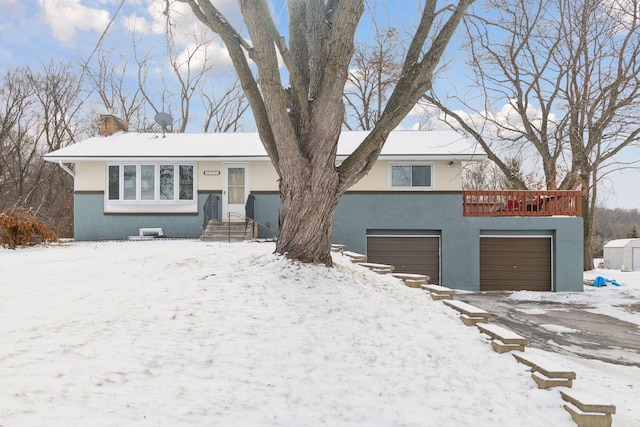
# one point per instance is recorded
(65, 17)
(188, 32)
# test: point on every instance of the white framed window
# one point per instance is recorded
(411, 176)
(151, 187)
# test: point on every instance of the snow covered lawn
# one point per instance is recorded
(182, 333)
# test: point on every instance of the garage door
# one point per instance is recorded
(408, 254)
(515, 263)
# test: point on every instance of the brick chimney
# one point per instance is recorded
(110, 124)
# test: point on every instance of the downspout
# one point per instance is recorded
(66, 169)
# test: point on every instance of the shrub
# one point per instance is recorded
(18, 227)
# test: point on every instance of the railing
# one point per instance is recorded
(522, 203)
(249, 210)
(211, 213)
(210, 209)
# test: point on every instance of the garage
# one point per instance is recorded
(515, 263)
(622, 254)
(408, 254)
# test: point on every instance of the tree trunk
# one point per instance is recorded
(306, 220)
(306, 228)
(299, 124)
(587, 224)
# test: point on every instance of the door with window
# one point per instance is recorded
(235, 191)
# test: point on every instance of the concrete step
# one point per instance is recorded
(587, 402)
(439, 292)
(412, 280)
(225, 232)
(355, 257)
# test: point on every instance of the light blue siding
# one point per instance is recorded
(360, 214)
(441, 213)
(90, 222)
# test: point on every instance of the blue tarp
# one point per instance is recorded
(600, 281)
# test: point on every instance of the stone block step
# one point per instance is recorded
(412, 280)
(355, 257)
(471, 321)
(588, 419)
(468, 309)
(545, 367)
(438, 297)
(587, 402)
(545, 382)
(500, 347)
(502, 334)
(378, 268)
(439, 292)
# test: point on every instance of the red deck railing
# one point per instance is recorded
(522, 203)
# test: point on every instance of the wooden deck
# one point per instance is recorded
(522, 203)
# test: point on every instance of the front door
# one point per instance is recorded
(235, 191)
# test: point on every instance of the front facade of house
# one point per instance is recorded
(409, 211)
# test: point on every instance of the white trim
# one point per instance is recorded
(66, 169)
(156, 205)
(247, 188)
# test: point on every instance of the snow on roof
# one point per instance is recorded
(622, 243)
(423, 145)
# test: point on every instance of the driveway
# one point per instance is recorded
(564, 328)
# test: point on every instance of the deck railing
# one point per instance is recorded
(522, 203)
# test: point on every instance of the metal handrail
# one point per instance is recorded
(210, 209)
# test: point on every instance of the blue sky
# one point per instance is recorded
(35, 32)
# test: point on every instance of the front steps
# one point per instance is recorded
(217, 231)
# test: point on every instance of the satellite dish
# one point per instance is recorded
(164, 120)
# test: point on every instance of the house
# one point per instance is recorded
(622, 254)
(409, 211)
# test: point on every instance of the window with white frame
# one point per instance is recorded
(411, 176)
(147, 184)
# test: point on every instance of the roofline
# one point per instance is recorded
(339, 158)
(72, 159)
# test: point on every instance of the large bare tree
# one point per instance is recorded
(108, 79)
(561, 84)
(187, 91)
(40, 112)
(299, 122)
(375, 69)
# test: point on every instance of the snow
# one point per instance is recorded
(622, 243)
(558, 329)
(400, 145)
(183, 332)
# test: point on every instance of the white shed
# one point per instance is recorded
(622, 254)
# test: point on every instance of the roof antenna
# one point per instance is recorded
(164, 120)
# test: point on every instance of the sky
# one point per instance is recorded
(192, 333)
(35, 32)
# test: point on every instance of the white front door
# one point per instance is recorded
(235, 191)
